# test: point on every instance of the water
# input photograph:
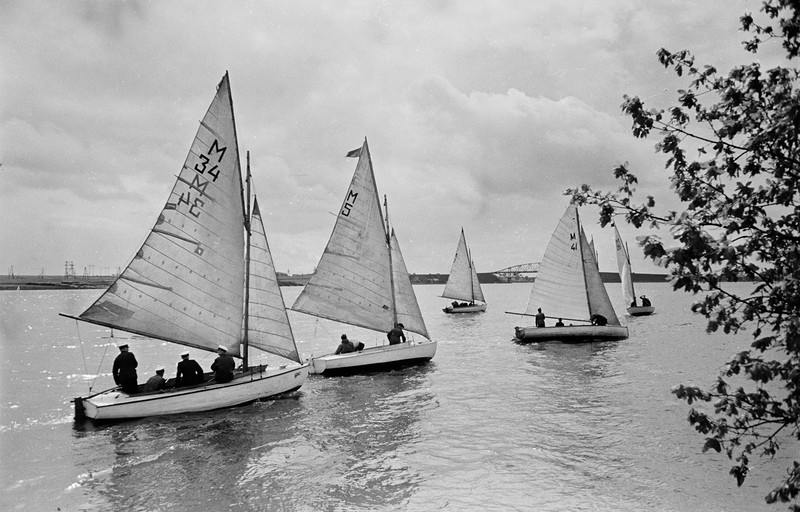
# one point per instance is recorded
(487, 425)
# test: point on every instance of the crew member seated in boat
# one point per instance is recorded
(540, 318)
(455, 304)
(223, 365)
(156, 382)
(124, 370)
(189, 372)
(645, 301)
(560, 323)
(633, 304)
(346, 346)
(598, 319)
(396, 335)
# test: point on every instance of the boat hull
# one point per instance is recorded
(641, 310)
(385, 357)
(246, 388)
(475, 308)
(572, 333)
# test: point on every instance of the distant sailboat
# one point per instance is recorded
(626, 277)
(568, 286)
(462, 283)
(362, 280)
(204, 277)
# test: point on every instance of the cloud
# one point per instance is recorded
(477, 115)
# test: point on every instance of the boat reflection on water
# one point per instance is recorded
(345, 435)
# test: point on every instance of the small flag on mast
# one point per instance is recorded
(354, 154)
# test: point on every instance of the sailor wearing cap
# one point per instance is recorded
(223, 365)
(189, 371)
(156, 382)
(124, 369)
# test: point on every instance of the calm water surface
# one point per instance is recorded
(487, 425)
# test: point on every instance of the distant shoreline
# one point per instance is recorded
(42, 282)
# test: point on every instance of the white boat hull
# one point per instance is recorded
(475, 308)
(641, 310)
(572, 333)
(374, 359)
(245, 388)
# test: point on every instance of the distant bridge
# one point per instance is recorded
(518, 272)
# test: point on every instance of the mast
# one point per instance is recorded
(583, 262)
(391, 266)
(471, 282)
(630, 269)
(246, 327)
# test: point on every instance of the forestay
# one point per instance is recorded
(185, 284)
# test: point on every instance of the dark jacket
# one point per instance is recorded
(223, 367)
(125, 367)
(189, 373)
(395, 335)
(345, 347)
(155, 383)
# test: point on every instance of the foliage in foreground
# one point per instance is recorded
(740, 191)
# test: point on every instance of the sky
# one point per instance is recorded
(478, 115)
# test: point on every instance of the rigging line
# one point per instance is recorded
(83, 356)
(323, 328)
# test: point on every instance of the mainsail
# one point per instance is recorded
(568, 284)
(625, 272)
(361, 278)
(462, 283)
(185, 284)
(268, 324)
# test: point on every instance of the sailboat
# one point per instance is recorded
(626, 277)
(462, 283)
(568, 286)
(362, 280)
(204, 277)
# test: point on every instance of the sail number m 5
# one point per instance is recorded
(349, 202)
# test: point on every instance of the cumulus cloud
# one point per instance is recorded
(477, 114)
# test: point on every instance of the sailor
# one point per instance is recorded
(560, 323)
(598, 319)
(156, 382)
(645, 301)
(124, 370)
(396, 334)
(345, 346)
(223, 365)
(540, 318)
(189, 372)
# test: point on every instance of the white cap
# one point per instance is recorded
(160, 369)
(222, 348)
(185, 354)
(122, 344)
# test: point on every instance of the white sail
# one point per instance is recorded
(185, 284)
(408, 312)
(268, 324)
(560, 286)
(352, 283)
(568, 284)
(596, 293)
(462, 283)
(625, 272)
